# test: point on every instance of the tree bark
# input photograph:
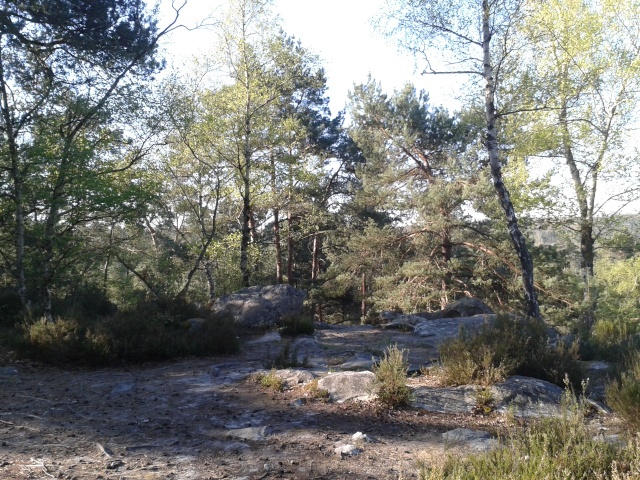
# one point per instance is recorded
(446, 250)
(290, 280)
(16, 176)
(278, 245)
(587, 241)
(246, 206)
(211, 281)
(517, 239)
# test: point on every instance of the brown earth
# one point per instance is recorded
(175, 421)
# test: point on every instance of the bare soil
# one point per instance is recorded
(175, 420)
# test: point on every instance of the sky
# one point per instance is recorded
(340, 32)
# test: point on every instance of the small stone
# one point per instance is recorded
(8, 371)
(361, 437)
(348, 451)
(115, 464)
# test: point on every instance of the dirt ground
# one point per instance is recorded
(174, 421)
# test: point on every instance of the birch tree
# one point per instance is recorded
(585, 70)
(475, 39)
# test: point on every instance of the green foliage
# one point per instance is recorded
(623, 395)
(148, 333)
(390, 383)
(287, 358)
(317, 393)
(617, 326)
(297, 325)
(272, 381)
(507, 346)
(562, 448)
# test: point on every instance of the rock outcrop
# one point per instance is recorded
(261, 306)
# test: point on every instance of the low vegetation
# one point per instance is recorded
(272, 381)
(504, 347)
(391, 378)
(287, 358)
(623, 395)
(151, 331)
(297, 325)
(561, 448)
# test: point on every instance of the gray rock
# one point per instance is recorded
(399, 321)
(266, 338)
(8, 372)
(476, 440)
(195, 325)
(293, 377)
(122, 388)
(250, 433)
(599, 375)
(466, 307)
(345, 386)
(527, 397)
(362, 437)
(446, 328)
(261, 306)
(451, 400)
(359, 361)
(347, 451)
(397, 325)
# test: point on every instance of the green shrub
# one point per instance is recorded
(272, 381)
(612, 340)
(623, 395)
(58, 342)
(317, 393)
(507, 346)
(287, 358)
(297, 325)
(461, 366)
(391, 378)
(136, 336)
(561, 448)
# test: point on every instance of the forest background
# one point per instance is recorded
(132, 194)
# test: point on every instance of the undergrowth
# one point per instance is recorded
(391, 378)
(623, 394)
(560, 448)
(287, 358)
(507, 346)
(147, 333)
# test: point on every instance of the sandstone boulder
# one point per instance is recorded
(261, 306)
(345, 386)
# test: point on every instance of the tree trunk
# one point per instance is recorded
(246, 207)
(211, 281)
(289, 248)
(446, 250)
(316, 309)
(587, 242)
(518, 240)
(276, 241)
(16, 176)
(363, 292)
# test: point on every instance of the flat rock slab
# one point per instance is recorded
(360, 361)
(445, 328)
(452, 400)
(293, 377)
(8, 372)
(476, 440)
(527, 397)
(250, 433)
(343, 386)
